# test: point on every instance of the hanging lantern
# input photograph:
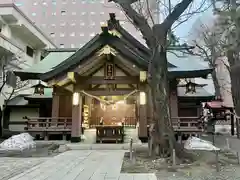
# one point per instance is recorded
(39, 88)
(75, 99)
(143, 76)
(142, 99)
(190, 87)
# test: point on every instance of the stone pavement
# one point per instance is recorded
(10, 167)
(82, 165)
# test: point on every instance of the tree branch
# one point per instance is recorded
(138, 20)
(176, 13)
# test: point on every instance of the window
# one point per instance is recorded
(81, 34)
(63, 24)
(74, 13)
(102, 23)
(92, 13)
(29, 51)
(83, 1)
(62, 34)
(53, 25)
(34, 14)
(44, 25)
(72, 34)
(92, 24)
(102, 13)
(18, 4)
(54, 2)
(44, 3)
(35, 3)
(64, 1)
(82, 23)
(54, 13)
(83, 13)
(73, 24)
(52, 34)
(72, 46)
(61, 45)
(92, 34)
(102, 1)
(63, 13)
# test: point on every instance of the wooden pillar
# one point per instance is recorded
(55, 105)
(142, 129)
(77, 121)
(173, 103)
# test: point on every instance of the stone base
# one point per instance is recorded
(75, 139)
(143, 139)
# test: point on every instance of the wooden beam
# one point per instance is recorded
(63, 80)
(101, 80)
(109, 93)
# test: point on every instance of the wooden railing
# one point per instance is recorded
(48, 123)
(188, 124)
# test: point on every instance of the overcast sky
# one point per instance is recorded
(183, 30)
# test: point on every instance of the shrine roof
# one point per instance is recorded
(58, 62)
(18, 101)
(49, 62)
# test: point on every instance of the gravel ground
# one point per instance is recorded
(203, 165)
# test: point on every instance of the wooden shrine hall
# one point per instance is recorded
(103, 85)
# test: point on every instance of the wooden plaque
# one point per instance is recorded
(109, 71)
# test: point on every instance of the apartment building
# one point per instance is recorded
(72, 23)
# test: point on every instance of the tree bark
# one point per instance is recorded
(216, 84)
(163, 132)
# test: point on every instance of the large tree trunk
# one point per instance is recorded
(235, 83)
(216, 84)
(163, 132)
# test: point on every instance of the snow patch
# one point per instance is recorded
(194, 143)
(20, 142)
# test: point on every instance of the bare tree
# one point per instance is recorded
(209, 46)
(157, 42)
(9, 62)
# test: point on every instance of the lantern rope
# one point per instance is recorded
(108, 102)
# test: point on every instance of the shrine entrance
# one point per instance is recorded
(114, 110)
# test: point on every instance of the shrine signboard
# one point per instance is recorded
(109, 71)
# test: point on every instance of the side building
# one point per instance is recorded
(21, 45)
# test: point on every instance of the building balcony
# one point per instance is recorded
(23, 27)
